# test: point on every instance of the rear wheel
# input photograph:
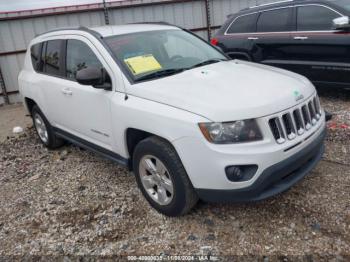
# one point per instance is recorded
(162, 178)
(44, 129)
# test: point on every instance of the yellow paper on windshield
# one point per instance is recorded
(142, 64)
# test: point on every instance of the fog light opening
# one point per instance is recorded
(234, 173)
(240, 173)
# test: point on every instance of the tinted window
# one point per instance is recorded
(275, 21)
(79, 56)
(243, 24)
(315, 18)
(35, 54)
(53, 58)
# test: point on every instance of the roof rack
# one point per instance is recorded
(272, 3)
(152, 23)
(81, 28)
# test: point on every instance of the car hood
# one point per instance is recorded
(228, 90)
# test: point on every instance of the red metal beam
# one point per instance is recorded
(10, 93)
(13, 52)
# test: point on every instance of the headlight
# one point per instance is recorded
(231, 132)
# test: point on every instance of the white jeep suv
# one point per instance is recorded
(187, 121)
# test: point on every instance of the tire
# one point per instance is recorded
(184, 198)
(44, 130)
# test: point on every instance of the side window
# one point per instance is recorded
(35, 54)
(243, 24)
(313, 18)
(79, 56)
(52, 62)
(278, 20)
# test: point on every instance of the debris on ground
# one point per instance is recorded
(17, 130)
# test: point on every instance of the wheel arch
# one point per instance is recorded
(133, 136)
(29, 103)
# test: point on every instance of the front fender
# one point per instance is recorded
(156, 118)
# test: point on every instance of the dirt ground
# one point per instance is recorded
(11, 116)
(72, 202)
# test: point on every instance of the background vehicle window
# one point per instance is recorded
(35, 54)
(79, 56)
(243, 24)
(311, 18)
(53, 57)
(275, 21)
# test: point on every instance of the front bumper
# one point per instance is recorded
(274, 179)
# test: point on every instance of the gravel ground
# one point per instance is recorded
(72, 202)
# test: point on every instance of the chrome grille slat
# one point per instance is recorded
(312, 113)
(317, 107)
(306, 116)
(288, 126)
(296, 121)
(277, 130)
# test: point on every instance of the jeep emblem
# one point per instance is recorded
(298, 96)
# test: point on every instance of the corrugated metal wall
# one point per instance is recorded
(16, 32)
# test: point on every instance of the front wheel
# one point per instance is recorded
(162, 178)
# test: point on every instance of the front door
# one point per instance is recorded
(318, 52)
(80, 110)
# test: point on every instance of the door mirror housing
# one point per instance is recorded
(342, 23)
(93, 76)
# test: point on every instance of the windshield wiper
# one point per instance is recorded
(207, 62)
(161, 73)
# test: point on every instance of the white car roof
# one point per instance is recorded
(110, 30)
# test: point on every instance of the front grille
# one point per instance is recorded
(297, 121)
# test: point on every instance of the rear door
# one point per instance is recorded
(236, 41)
(273, 38)
(319, 52)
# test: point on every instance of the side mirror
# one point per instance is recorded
(93, 76)
(342, 23)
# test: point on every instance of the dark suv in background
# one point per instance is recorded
(308, 37)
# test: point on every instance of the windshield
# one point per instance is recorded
(154, 54)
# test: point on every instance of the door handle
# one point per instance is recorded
(300, 38)
(67, 91)
(253, 38)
